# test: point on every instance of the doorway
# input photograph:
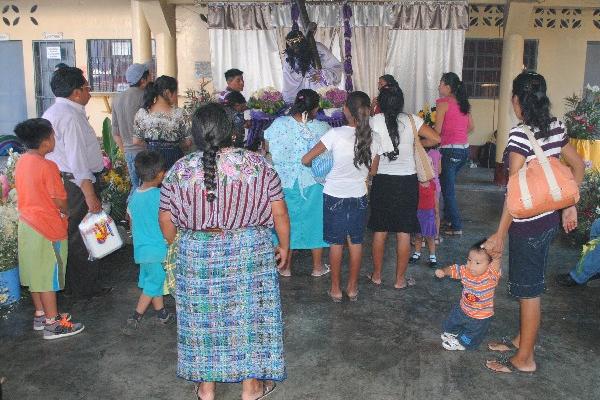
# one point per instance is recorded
(13, 103)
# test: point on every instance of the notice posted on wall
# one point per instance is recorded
(53, 53)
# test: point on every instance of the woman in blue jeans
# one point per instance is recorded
(453, 123)
(530, 239)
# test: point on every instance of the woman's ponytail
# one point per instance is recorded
(459, 91)
(359, 105)
(149, 95)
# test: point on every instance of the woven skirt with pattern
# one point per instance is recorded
(229, 322)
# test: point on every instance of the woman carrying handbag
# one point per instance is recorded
(530, 238)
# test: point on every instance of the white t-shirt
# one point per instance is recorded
(345, 180)
(405, 163)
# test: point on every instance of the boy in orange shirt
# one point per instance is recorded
(42, 205)
(469, 320)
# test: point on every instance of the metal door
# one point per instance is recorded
(13, 104)
(46, 55)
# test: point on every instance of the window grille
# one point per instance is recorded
(108, 59)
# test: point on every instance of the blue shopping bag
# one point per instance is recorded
(321, 166)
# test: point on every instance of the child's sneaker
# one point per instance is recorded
(40, 322)
(452, 344)
(432, 261)
(62, 328)
(164, 316)
(448, 336)
(414, 258)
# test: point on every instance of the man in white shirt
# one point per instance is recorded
(79, 158)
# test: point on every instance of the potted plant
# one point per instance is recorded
(583, 124)
(10, 289)
(332, 101)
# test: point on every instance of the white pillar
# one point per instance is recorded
(512, 65)
(141, 38)
(167, 55)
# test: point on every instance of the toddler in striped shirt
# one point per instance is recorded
(467, 324)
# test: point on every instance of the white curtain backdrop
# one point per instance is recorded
(418, 58)
(253, 51)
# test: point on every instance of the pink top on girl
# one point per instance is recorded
(456, 124)
(436, 160)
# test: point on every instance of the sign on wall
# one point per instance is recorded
(53, 53)
(52, 36)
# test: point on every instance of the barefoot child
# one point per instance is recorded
(469, 320)
(426, 217)
(149, 246)
(42, 205)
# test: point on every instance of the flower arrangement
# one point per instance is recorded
(268, 100)
(588, 208)
(9, 217)
(332, 97)
(583, 114)
(196, 98)
(116, 183)
(428, 114)
(116, 187)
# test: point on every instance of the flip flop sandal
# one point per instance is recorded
(452, 232)
(370, 278)
(506, 341)
(512, 369)
(325, 270)
(409, 282)
(267, 390)
(333, 298)
(283, 275)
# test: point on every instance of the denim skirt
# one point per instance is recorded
(343, 218)
(527, 260)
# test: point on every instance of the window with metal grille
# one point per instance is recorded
(482, 61)
(108, 59)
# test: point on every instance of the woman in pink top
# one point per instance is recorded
(453, 122)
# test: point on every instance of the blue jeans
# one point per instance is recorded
(135, 181)
(590, 264)
(470, 331)
(452, 161)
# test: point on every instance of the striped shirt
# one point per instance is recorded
(246, 186)
(477, 299)
(552, 146)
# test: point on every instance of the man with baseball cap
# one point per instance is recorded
(125, 105)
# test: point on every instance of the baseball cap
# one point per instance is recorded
(134, 73)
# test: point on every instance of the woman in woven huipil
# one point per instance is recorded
(223, 201)
(289, 138)
(159, 124)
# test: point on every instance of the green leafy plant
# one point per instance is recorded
(116, 183)
(108, 142)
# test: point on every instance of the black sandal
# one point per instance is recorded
(512, 369)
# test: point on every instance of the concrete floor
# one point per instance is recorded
(385, 346)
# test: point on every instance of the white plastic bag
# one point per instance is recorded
(100, 235)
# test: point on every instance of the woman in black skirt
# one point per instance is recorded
(394, 192)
